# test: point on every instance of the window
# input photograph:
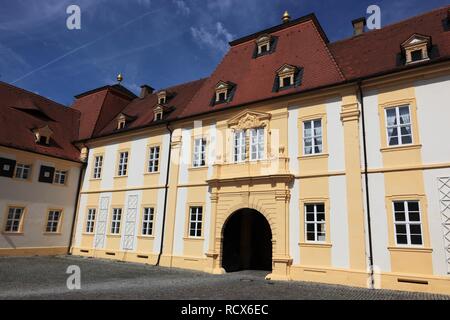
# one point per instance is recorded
(315, 222)
(222, 96)
(116, 218)
(239, 146)
(416, 55)
(408, 228)
(98, 163)
(224, 92)
(153, 160)
(14, 219)
(60, 177)
(53, 220)
(398, 125)
(121, 124)
(312, 136)
(256, 144)
(199, 152)
(263, 48)
(158, 116)
(195, 221)
(90, 221)
(123, 164)
(286, 82)
(22, 171)
(147, 221)
(162, 100)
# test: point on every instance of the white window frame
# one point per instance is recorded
(153, 159)
(116, 220)
(398, 126)
(313, 137)
(90, 221)
(196, 223)
(123, 164)
(148, 218)
(53, 219)
(239, 146)
(98, 164)
(256, 144)
(407, 223)
(199, 159)
(22, 171)
(315, 222)
(60, 177)
(15, 215)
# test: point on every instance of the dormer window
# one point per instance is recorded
(42, 135)
(224, 92)
(265, 44)
(123, 120)
(162, 97)
(416, 48)
(287, 77)
(158, 116)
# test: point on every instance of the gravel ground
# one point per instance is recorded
(45, 278)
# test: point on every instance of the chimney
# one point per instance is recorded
(145, 91)
(358, 26)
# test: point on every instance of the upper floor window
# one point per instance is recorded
(147, 221)
(199, 152)
(239, 146)
(312, 136)
(287, 76)
(43, 135)
(315, 222)
(98, 164)
(14, 219)
(53, 218)
(60, 177)
(416, 48)
(195, 221)
(408, 227)
(123, 164)
(398, 122)
(116, 219)
(123, 120)
(162, 97)
(256, 138)
(153, 160)
(256, 143)
(90, 221)
(223, 92)
(22, 171)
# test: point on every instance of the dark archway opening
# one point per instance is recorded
(247, 242)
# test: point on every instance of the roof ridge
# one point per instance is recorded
(392, 24)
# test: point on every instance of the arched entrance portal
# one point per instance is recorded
(247, 242)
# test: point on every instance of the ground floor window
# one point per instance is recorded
(90, 221)
(147, 221)
(14, 219)
(53, 218)
(315, 222)
(116, 218)
(408, 226)
(195, 221)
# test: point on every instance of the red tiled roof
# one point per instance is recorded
(378, 51)
(300, 45)
(22, 111)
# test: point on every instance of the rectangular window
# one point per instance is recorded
(123, 164)
(90, 221)
(398, 121)
(239, 146)
(312, 136)
(60, 177)
(147, 221)
(256, 144)
(116, 218)
(153, 160)
(195, 221)
(286, 82)
(14, 219)
(22, 171)
(53, 220)
(408, 227)
(315, 222)
(199, 152)
(98, 163)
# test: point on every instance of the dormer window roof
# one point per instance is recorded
(162, 97)
(43, 135)
(160, 110)
(416, 48)
(224, 92)
(265, 44)
(123, 120)
(287, 76)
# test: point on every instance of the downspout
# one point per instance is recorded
(366, 180)
(165, 195)
(77, 200)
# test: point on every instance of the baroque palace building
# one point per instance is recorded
(314, 160)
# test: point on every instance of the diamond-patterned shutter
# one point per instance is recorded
(46, 174)
(7, 167)
(444, 200)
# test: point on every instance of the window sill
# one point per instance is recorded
(149, 237)
(411, 249)
(315, 244)
(198, 168)
(120, 177)
(113, 235)
(401, 147)
(52, 233)
(151, 173)
(88, 233)
(12, 233)
(95, 179)
(194, 238)
(314, 156)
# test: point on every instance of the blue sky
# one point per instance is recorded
(155, 42)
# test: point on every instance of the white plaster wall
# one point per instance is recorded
(158, 220)
(164, 156)
(433, 113)
(80, 219)
(109, 167)
(185, 156)
(335, 136)
(180, 218)
(293, 137)
(440, 266)
(136, 163)
(339, 222)
(373, 135)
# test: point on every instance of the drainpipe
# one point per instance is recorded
(165, 195)
(77, 199)
(366, 180)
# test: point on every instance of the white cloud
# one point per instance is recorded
(216, 39)
(221, 5)
(182, 7)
